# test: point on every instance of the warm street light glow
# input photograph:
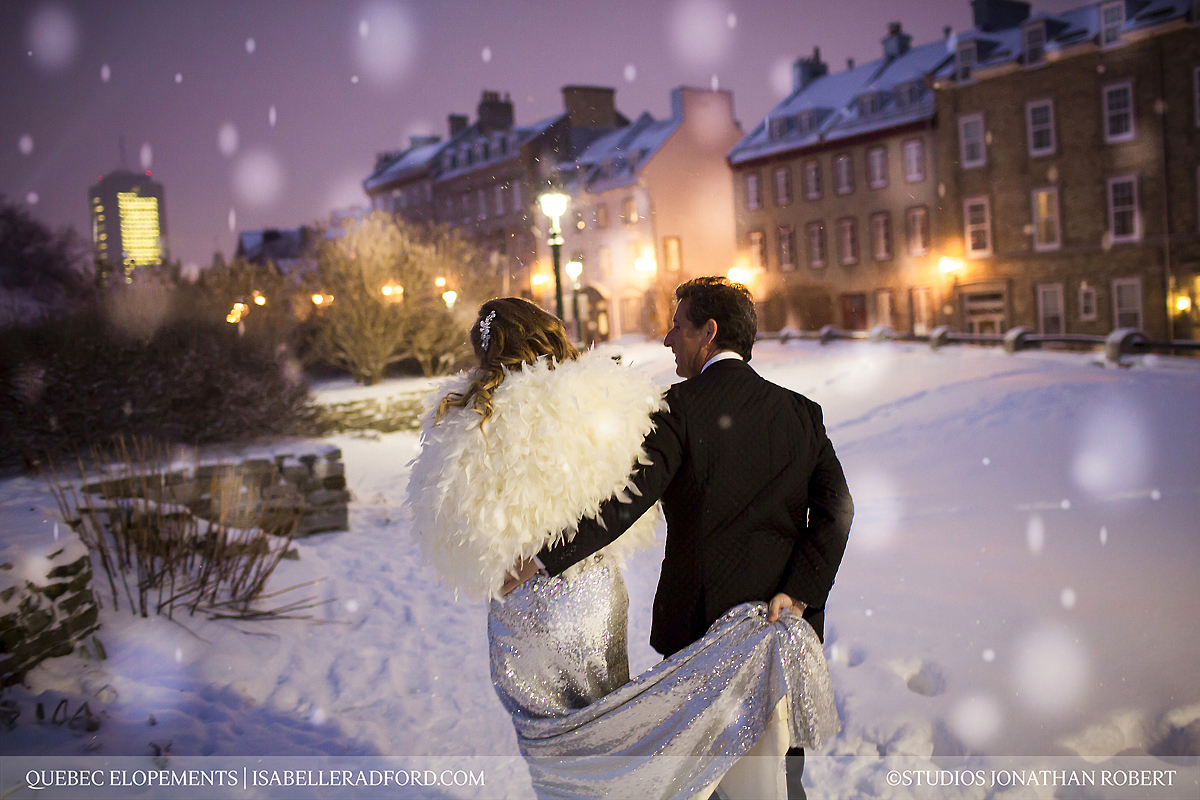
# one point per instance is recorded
(538, 280)
(318, 299)
(645, 263)
(554, 205)
(439, 282)
(739, 275)
(259, 300)
(574, 269)
(948, 265)
(1183, 302)
(450, 296)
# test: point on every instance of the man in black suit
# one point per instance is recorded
(756, 502)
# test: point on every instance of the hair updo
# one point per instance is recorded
(519, 333)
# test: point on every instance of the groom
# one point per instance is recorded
(756, 503)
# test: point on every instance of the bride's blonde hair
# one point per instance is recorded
(519, 333)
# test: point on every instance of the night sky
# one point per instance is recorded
(190, 86)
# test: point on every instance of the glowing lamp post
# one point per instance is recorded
(449, 296)
(554, 205)
(575, 269)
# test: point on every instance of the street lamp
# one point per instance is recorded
(575, 269)
(554, 205)
(449, 296)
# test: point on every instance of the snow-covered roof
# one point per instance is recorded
(472, 136)
(616, 158)
(411, 162)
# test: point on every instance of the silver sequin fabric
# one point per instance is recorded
(559, 664)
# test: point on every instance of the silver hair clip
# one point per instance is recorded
(485, 330)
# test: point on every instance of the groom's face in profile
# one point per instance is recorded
(691, 345)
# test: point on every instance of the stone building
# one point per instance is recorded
(835, 200)
(1067, 168)
(650, 208)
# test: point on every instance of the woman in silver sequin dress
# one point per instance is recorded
(513, 455)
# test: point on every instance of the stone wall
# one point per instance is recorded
(44, 615)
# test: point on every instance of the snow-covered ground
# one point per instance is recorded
(1021, 581)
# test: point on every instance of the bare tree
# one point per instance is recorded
(391, 291)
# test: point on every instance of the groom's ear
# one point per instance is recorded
(709, 332)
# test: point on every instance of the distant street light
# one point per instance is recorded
(739, 275)
(948, 265)
(449, 296)
(554, 205)
(318, 299)
(575, 269)
(439, 282)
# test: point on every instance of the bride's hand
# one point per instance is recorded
(782, 602)
(524, 570)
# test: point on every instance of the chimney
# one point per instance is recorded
(807, 70)
(421, 141)
(457, 123)
(590, 106)
(494, 114)
(849, 64)
(996, 15)
(946, 31)
(897, 42)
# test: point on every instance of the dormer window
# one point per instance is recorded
(1034, 37)
(1112, 19)
(806, 120)
(870, 103)
(503, 145)
(965, 60)
(909, 94)
(487, 151)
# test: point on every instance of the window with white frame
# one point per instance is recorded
(1127, 303)
(1087, 302)
(848, 240)
(758, 250)
(977, 227)
(1050, 308)
(884, 308)
(605, 258)
(1118, 112)
(787, 248)
(972, 148)
(753, 192)
(843, 174)
(914, 160)
(783, 186)
(812, 179)
(516, 196)
(881, 236)
(1124, 222)
(877, 167)
(1039, 124)
(965, 60)
(1112, 19)
(917, 225)
(1046, 230)
(816, 244)
(482, 199)
(500, 198)
(629, 212)
(1034, 42)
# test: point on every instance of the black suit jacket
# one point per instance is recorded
(755, 500)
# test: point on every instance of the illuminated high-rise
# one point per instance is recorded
(129, 223)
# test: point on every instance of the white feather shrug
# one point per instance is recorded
(559, 442)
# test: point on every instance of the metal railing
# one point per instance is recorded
(1121, 342)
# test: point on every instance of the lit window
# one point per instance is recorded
(877, 167)
(1123, 222)
(1035, 43)
(914, 160)
(783, 186)
(848, 240)
(787, 248)
(1087, 303)
(1112, 19)
(1127, 303)
(1039, 121)
(1118, 112)
(629, 210)
(977, 227)
(672, 254)
(605, 262)
(843, 173)
(816, 244)
(972, 147)
(881, 236)
(917, 223)
(602, 216)
(753, 192)
(1046, 230)
(812, 179)
(758, 250)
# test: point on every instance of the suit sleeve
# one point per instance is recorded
(664, 450)
(822, 542)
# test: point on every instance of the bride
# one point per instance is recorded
(514, 453)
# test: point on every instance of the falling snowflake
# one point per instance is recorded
(227, 139)
(700, 32)
(989, 655)
(630, 73)
(716, 84)
(232, 220)
(1065, 505)
(364, 28)
(869, 613)
(352, 606)
(53, 37)
(1035, 534)
(976, 720)
(271, 116)
(319, 716)
(146, 156)
(1103, 535)
(731, 20)
(354, 79)
(1155, 495)
(258, 178)
(1067, 598)
(105, 73)
(389, 49)
(1052, 670)
(179, 77)
(251, 46)
(178, 655)
(781, 77)
(486, 55)
(25, 144)
(986, 461)
(32, 198)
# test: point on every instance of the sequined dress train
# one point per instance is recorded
(560, 668)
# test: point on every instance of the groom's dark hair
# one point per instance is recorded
(727, 303)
